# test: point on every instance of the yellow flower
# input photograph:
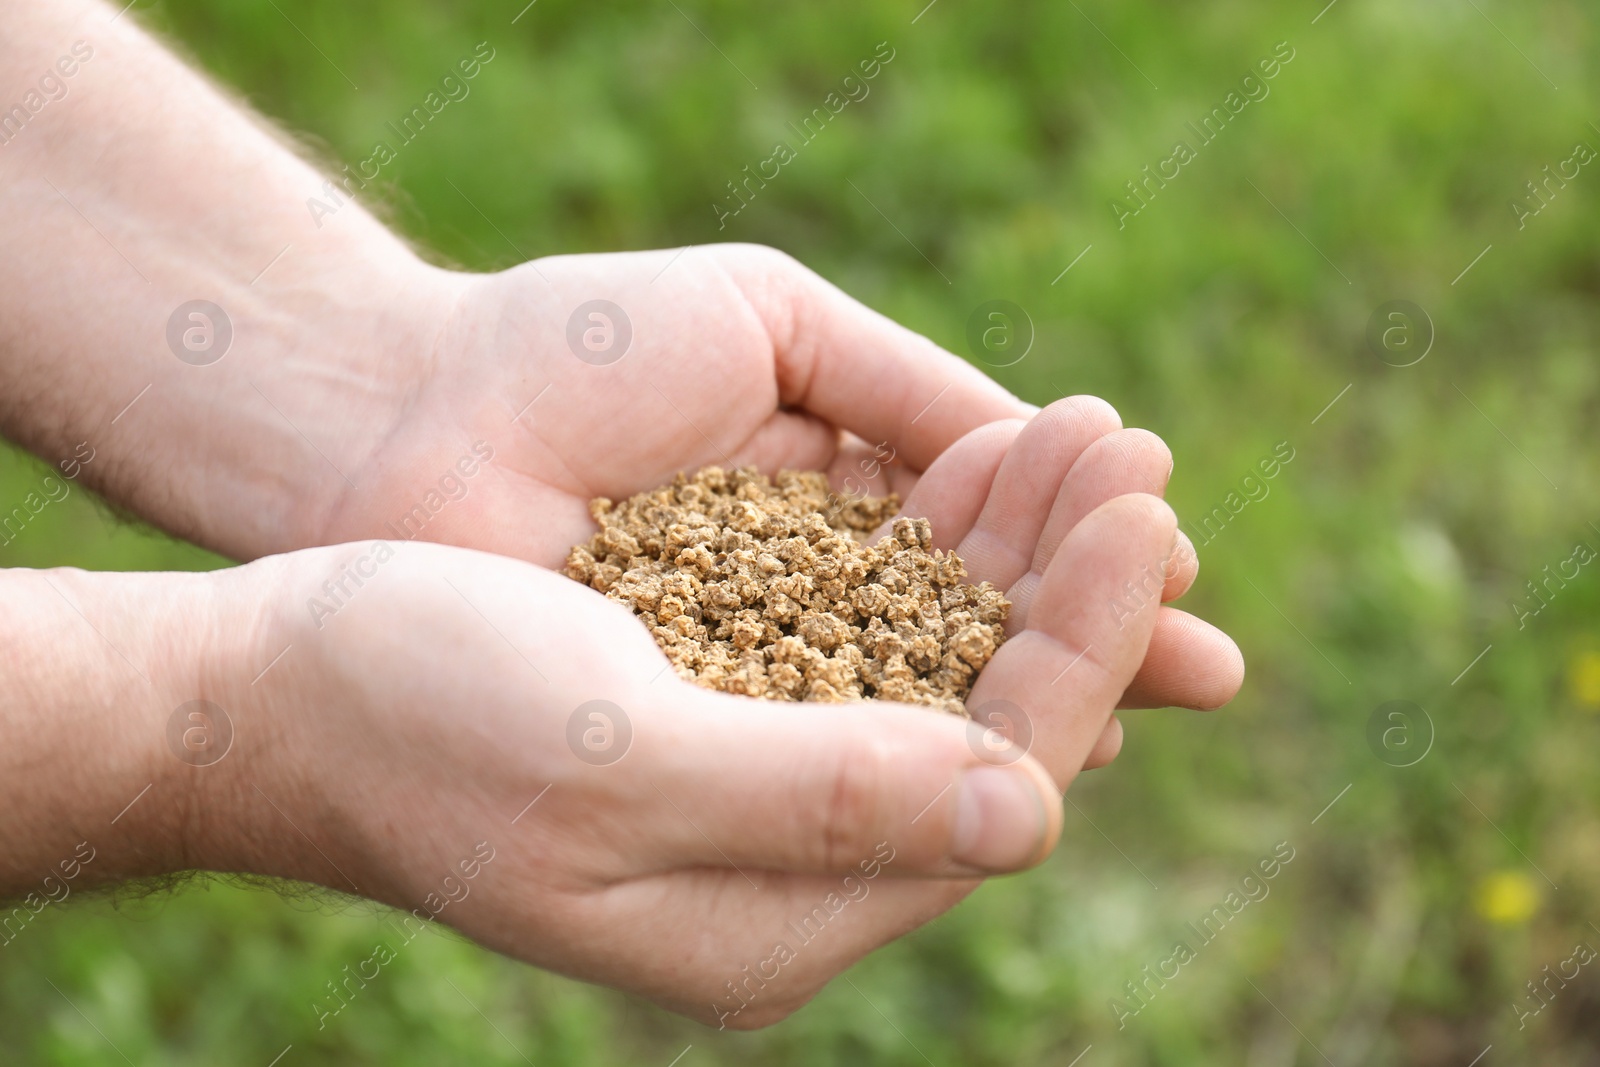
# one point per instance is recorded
(1507, 897)
(1584, 677)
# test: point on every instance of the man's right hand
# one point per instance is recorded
(663, 841)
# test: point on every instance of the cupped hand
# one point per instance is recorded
(604, 375)
(474, 739)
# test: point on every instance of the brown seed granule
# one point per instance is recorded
(766, 588)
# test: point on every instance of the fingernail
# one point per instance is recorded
(1000, 820)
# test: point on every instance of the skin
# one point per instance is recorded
(378, 739)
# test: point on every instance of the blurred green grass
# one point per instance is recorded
(1225, 316)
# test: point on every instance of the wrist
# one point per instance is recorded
(263, 806)
(325, 364)
(100, 666)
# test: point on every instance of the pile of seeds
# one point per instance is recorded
(767, 588)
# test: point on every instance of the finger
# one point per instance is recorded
(1123, 461)
(1182, 570)
(1190, 664)
(1000, 547)
(950, 494)
(1107, 747)
(790, 440)
(818, 789)
(1210, 679)
(848, 364)
(1086, 635)
(861, 469)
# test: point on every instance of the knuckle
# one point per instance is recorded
(855, 801)
(764, 259)
(1101, 663)
(777, 286)
(1097, 663)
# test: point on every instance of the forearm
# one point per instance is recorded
(137, 189)
(96, 667)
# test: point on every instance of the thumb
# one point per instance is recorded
(859, 370)
(816, 789)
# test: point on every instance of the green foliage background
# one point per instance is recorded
(1225, 316)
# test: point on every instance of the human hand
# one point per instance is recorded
(737, 355)
(725, 354)
(341, 387)
(434, 710)
(1005, 498)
